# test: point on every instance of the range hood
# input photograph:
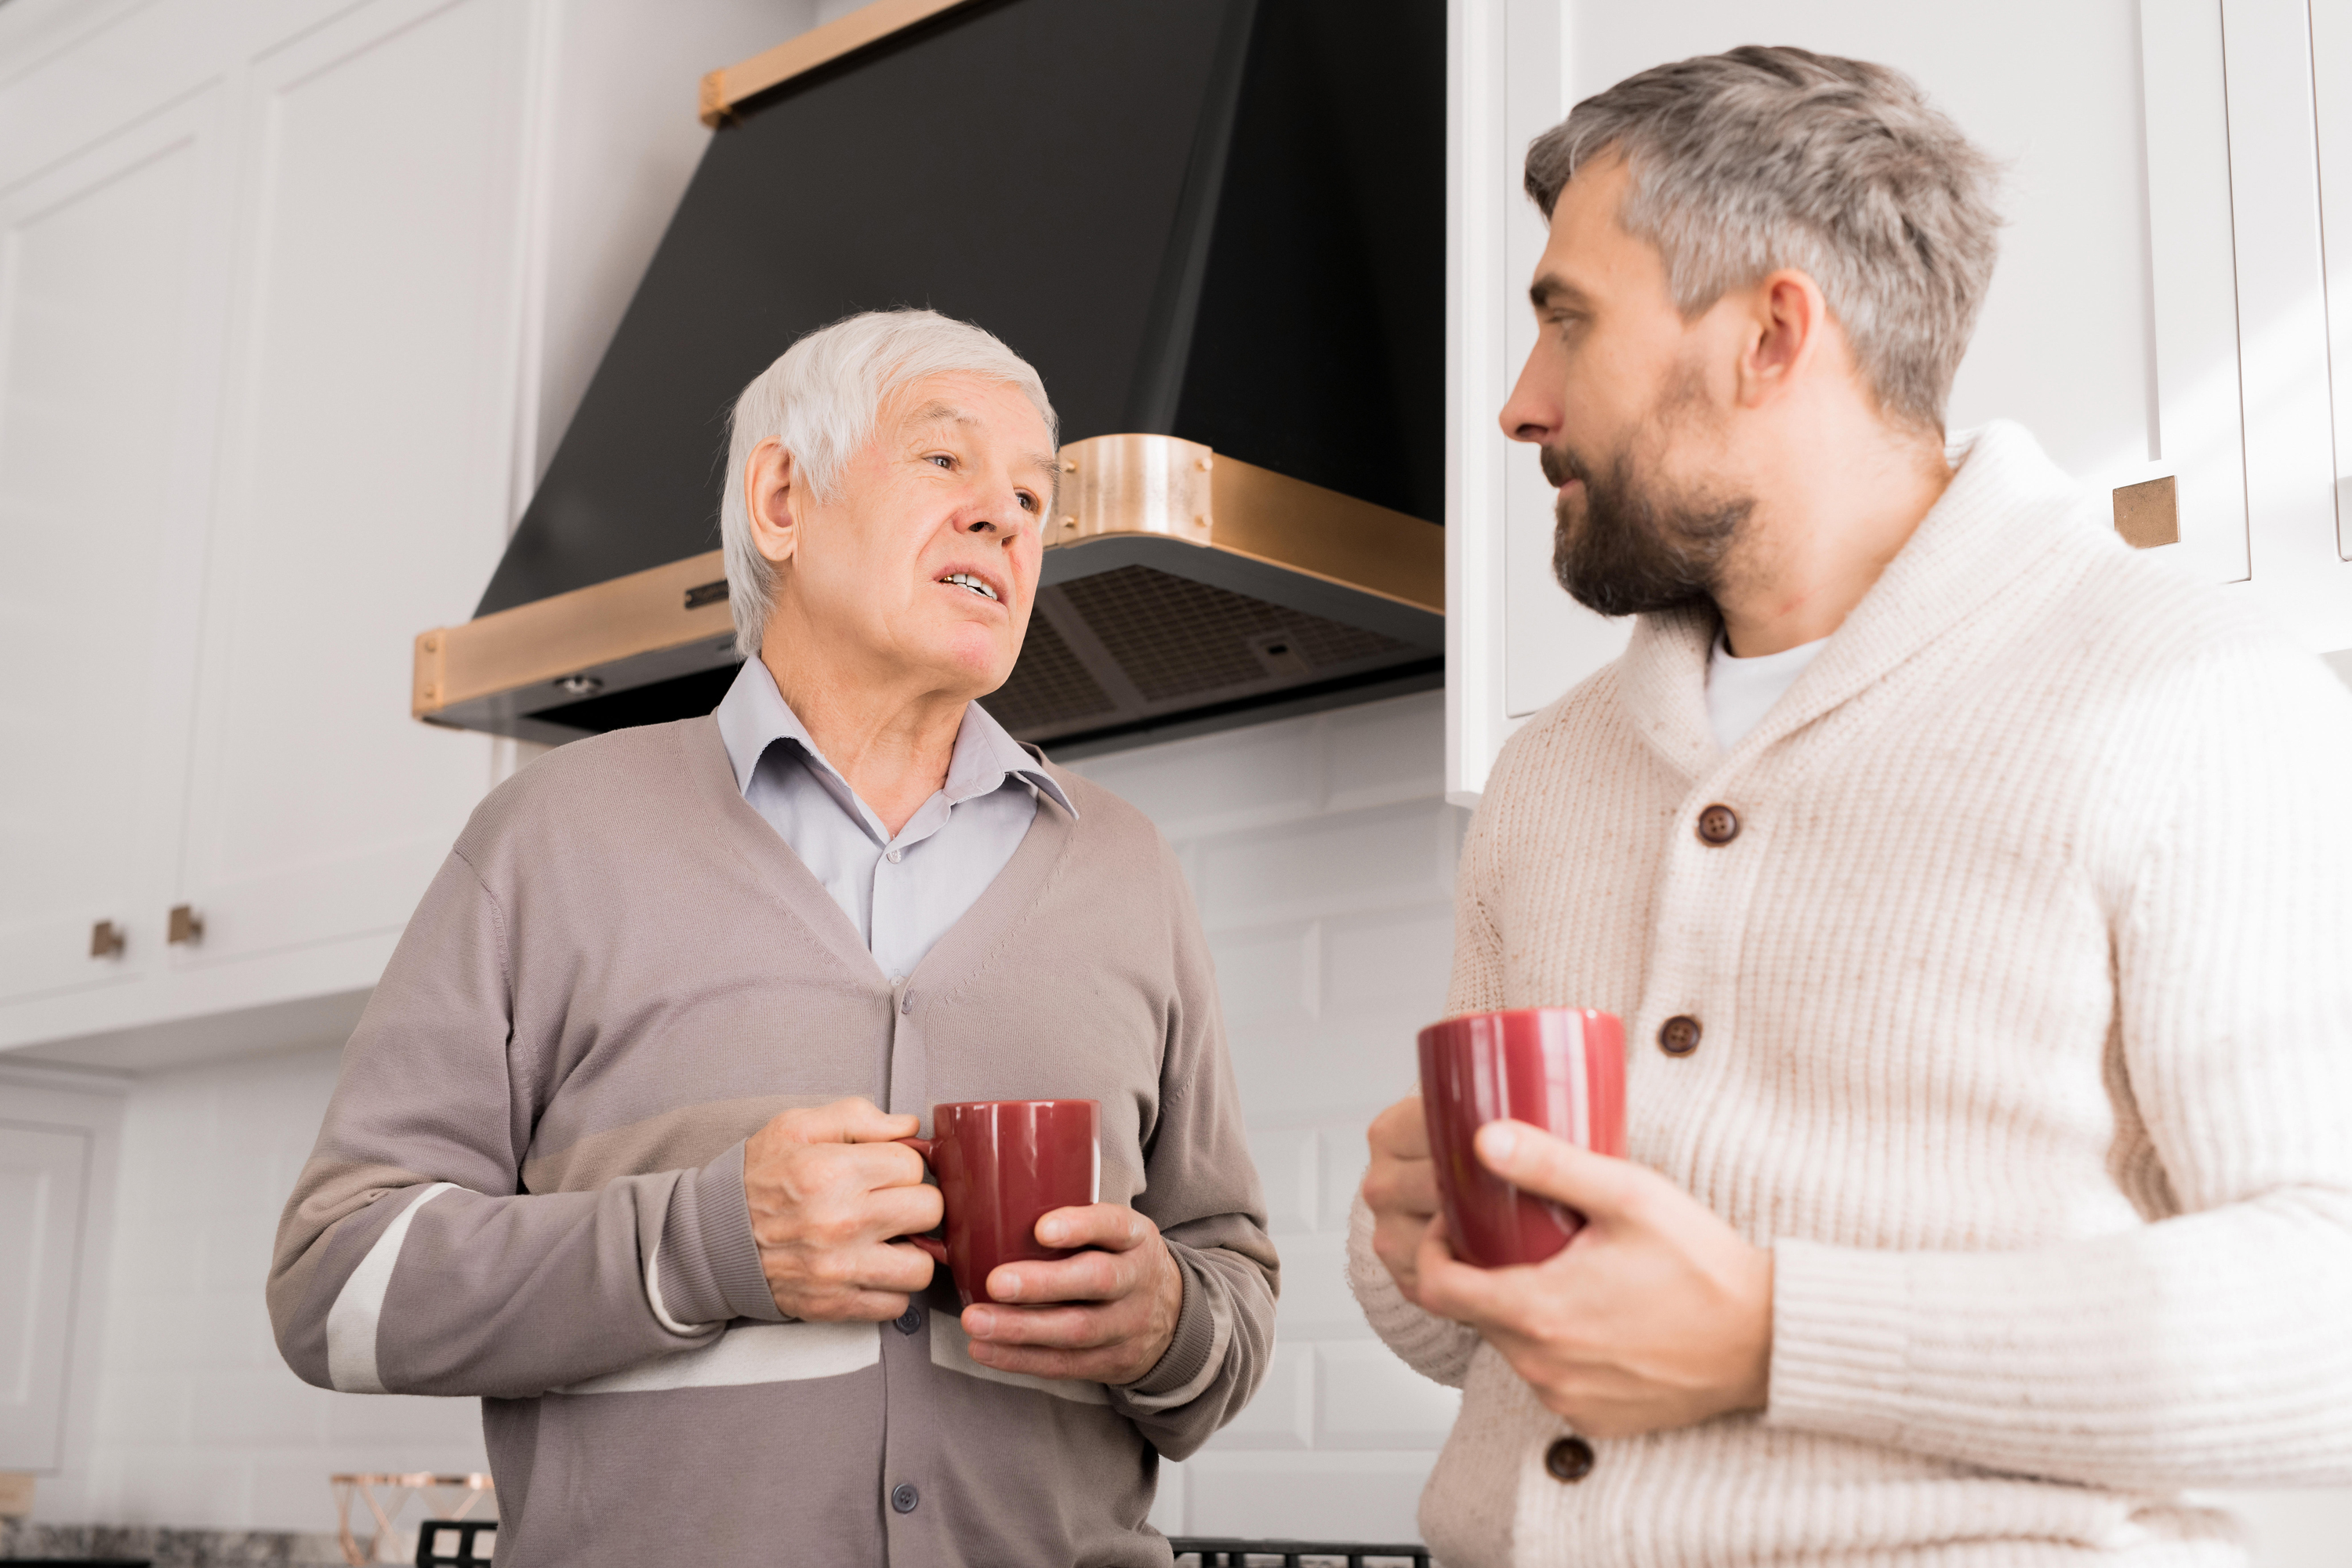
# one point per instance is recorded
(1217, 229)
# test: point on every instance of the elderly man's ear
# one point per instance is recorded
(771, 487)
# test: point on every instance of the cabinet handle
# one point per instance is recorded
(186, 926)
(2148, 514)
(106, 939)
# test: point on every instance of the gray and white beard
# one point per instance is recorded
(1630, 547)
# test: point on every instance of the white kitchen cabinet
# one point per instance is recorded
(59, 1141)
(280, 282)
(102, 468)
(2156, 311)
(368, 431)
(259, 337)
(43, 1172)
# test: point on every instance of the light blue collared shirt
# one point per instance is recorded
(902, 893)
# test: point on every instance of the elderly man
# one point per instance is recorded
(1977, 895)
(613, 1147)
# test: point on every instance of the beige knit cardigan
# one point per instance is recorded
(2026, 999)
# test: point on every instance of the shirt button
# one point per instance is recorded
(908, 1322)
(893, 856)
(1569, 1459)
(1678, 1036)
(1719, 825)
(904, 1497)
(907, 1003)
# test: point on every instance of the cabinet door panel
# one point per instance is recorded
(101, 267)
(366, 486)
(42, 1172)
(2331, 62)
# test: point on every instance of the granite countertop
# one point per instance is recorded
(167, 1548)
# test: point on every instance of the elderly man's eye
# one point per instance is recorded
(942, 460)
(1028, 502)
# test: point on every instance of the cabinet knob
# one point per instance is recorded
(186, 925)
(106, 939)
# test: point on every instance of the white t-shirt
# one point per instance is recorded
(1740, 691)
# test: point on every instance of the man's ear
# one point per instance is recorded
(1787, 322)
(772, 492)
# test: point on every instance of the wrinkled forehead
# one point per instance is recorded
(999, 419)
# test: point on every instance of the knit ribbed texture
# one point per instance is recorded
(2026, 990)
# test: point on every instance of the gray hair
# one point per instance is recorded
(1763, 158)
(820, 400)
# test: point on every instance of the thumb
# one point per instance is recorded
(1533, 1160)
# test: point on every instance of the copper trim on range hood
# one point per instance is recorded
(1155, 502)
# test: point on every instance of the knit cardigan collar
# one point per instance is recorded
(2006, 506)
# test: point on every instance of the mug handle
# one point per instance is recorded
(932, 1246)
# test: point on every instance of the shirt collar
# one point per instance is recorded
(754, 716)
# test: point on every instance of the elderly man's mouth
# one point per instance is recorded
(966, 580)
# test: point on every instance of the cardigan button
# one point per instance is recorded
(1719, 825)
(1678, 1036)
(1569, 1459)
(904, 1498)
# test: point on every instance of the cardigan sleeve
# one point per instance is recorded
(2206, 1347)
(1437, 1347)
(410, 1259)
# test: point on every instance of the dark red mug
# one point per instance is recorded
(1003, 1165)
(1558, 1068)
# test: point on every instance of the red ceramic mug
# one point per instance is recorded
(1560, 1068)
(1003, 1165)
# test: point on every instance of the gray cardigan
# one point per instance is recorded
(530, 1184)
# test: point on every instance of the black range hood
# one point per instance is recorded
(1217, 228)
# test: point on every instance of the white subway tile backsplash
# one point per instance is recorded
(1265, 975)
(1241, 778)
(1391, 965)
(1334, 1069)
(1383, 752)
(1312, 1495)
(1316, 1303)
(1281, 1415)
(1346, 1157)
(1365, 1398)
(233, 1409)
(1289, 1162)
(1359, 860)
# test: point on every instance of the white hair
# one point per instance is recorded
(1764, 158)
(819, 401)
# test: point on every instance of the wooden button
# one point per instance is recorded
(1569, 1459)
(1678, 1036)
(1719, 825)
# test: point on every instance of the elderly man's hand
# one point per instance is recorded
(1656, 1315)
(1104, 1315)
(1400, 1189)
(829, 1193)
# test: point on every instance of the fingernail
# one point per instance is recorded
(1051, 1234)
(981, 1324)
(1496, 1141)
(1006, 1288)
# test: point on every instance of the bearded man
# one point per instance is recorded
(1976, 893)
(614, 1145)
